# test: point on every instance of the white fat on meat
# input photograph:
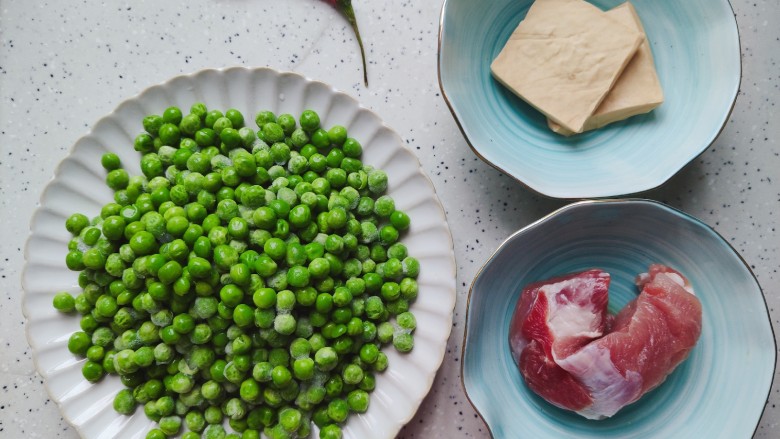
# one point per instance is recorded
(676, 278)
(517, 344)
(571, 318)
(592, 364)
(645, 278)
(609, 389)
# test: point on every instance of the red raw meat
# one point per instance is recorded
(572, 353)
(553, 319)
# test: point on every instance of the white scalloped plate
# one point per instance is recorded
(78, 186)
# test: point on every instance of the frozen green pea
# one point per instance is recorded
(377, 181)
(64, 302)
(385, 332)
(403, 342)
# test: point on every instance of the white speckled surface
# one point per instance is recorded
(65, 64)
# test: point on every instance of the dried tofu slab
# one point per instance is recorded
(636, 91)
(563, 59)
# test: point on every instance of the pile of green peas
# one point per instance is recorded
(248, 276)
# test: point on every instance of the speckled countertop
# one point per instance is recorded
(63, 65)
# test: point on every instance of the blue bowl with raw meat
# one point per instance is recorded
(720, 390)
(695, 44)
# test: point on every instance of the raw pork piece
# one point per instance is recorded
(576, 356)
(554, 319)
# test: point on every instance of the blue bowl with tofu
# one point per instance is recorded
(696, 54)
(719, 391)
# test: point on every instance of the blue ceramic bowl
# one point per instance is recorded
(719, 391)
(697, 56)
